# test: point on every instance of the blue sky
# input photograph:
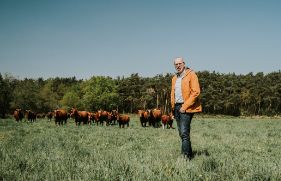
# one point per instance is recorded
(65, 38)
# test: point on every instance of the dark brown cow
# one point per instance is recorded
(60, 116)
(80, 116)
(71, 115)
(109, 117)
(149, 117)
(18, 115)
(167, 120)
(50, 115)
(30, 115)
(40, 115)
(96, 117)
(123, 119)
(143, 117)
(91, 117)
(102, 117)
(156, 118)
(114, 114)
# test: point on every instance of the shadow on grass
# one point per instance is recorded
(201, 152)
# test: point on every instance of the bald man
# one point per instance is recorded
(184, 100)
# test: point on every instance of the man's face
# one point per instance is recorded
(179, 65)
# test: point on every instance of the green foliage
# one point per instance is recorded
(100, 93)
(5, 94)
(225, 149)
(70, 99)
(227, 94)
(241, 94)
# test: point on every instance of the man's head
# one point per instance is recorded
(179, 65)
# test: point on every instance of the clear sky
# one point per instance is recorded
(65, 38)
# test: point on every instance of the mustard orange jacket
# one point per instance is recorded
(190, 91)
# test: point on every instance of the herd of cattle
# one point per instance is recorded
(153, 117)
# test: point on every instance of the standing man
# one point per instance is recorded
(185, 102)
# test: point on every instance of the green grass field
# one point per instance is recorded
(225, 149)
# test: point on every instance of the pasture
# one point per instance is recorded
(225, 149)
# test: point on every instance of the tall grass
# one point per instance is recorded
(225, 149)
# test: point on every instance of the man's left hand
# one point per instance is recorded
(182, 110)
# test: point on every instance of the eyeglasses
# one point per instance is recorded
(177, 64)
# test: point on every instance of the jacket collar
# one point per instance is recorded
(184, 73)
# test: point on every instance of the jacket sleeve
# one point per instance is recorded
(194, 92)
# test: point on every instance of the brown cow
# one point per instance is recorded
(167, 120)
(114, 114)
(109, 119)
(96, 117)
(50, 116)
(102, 117)
(60, 116)
(18, 115)
(40, 115)
(91, 117)
(123, 119)
(30, 115)
(149, 117)
(156, 118)
(143, 117)
(80, 116)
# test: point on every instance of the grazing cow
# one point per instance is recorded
(156, 118)
(96, 118)
(18, 115)
(60, 116)
(71, 115)
(149, 117)
(109, 119)
(30, 116)
(123, 119)
(102, 117)
(167, 120)
(68, 115)
(91, 117)
(49, 115)
(80, 116)
(143, 117)
(114, 114)
(40, 115)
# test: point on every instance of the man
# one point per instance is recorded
(185, 102)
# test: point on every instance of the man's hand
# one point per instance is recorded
(182, 110)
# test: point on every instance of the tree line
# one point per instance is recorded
(227, 94)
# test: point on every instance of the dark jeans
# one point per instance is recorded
(183, 123)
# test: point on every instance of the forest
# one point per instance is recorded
(224, 94)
